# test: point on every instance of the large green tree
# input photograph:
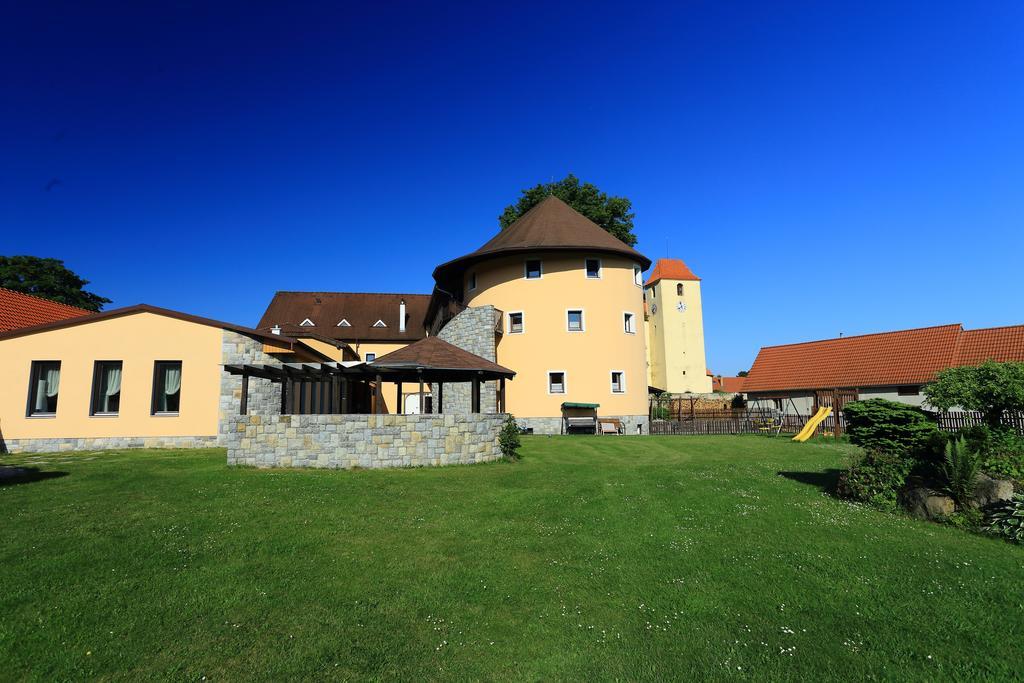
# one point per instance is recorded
(614, 214)
(48, 278)
(990, 388)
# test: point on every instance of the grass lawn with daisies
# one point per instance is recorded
(636, 558)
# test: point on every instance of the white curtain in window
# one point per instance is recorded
(172, 383)
(113, 384)
(47, 387)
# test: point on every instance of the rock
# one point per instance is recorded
(926, 503)
(988, 490)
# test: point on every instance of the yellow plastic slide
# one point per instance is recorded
(813, 423)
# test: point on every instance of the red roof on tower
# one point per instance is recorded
(671, 269)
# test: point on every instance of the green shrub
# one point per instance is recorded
(959, 470)
(1001, 450)
(880, 425)
(659, 412)
(1006, 519)
(508, 439)
(876, 478)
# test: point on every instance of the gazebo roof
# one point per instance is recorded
(433, 353)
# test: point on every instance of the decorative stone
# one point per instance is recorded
(925, 503)
(988, 490)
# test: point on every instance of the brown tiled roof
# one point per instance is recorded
(1001, 344)
(551, 225)
(888, 358)
(25, 310)
(670, 269)
(146, 308)
(435, 353)
(326, 309)
(730, 385)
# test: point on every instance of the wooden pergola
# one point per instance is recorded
(332, 386)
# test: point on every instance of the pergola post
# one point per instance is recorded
(420, 374)
(344, 395)
(243, 408)
(399, 407)
(475, 403)
(501, 395)
(378, 407)
(440, 398)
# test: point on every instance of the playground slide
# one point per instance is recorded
(812, 424)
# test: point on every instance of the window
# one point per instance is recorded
(574, 319)
(370, 357)
(106, 388)
(166, 387)
(43, 387)
(533, 269)
(307, 323)
(679, 289)
(638, 276)
(593, 267)
(515, 322)
(618, 382)
(344, 323)
(556, 382)
(629, 323)
(654, 293)
(472, 281)
(380, 323)
(908, 391)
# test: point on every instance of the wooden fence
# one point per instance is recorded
(956, 420)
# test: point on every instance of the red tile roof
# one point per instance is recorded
(437, 354)
(1000, 344)
(670, 269)
(24, 310)
(730, 385)
(360, 310)
(885, 359)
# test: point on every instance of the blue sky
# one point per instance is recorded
(824, 167)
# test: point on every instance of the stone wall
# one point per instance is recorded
(471, 330)
(553, 425)
(264, 395)
(345, 441)
(64, 444)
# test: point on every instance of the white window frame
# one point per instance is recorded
(508, 325)
(622, 381)
(344, 323)
(380, 323)
(471, 282)
(307, 323)
(638, 276)
(526, 269)
(632, 319)
(583, 320)
(600, 269)
(565, 383)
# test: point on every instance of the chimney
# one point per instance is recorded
(401, 316)
(276, 329)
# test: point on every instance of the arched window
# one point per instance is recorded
(679, 289)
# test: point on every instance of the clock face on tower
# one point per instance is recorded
(654, 308)
(681, 306)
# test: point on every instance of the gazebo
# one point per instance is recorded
(343, 389)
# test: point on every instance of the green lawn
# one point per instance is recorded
(593, 558)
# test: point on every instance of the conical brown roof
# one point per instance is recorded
(551, 225)
(434, 353)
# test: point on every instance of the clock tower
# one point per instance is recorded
(674, 325)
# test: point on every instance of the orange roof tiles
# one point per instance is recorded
(19, 310)
(1000, 344)
(730, 385)
(670, 269)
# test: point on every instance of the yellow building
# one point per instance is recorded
(674, 328)
(130, 377)
(561, 304)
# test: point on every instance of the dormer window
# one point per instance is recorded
(307, 323)
(593, 268)
(344, 323)
(533, 269)
(380, 323)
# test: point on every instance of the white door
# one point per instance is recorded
(412, 404)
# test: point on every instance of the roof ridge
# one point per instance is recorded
(994, 327)
(298, 291)
(45, 300)
(868, 334)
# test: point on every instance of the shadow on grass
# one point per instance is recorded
(9, 475)
(825, 480)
